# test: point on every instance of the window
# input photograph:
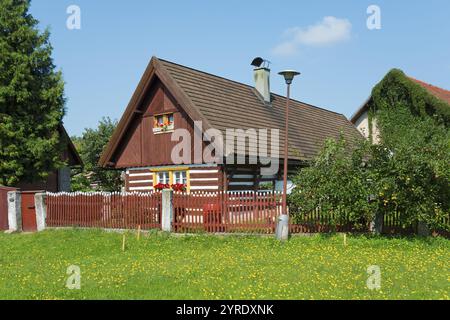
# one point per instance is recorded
(180, 177)
(163, 122)
(160, 120)
(172, 177)
(163, 177)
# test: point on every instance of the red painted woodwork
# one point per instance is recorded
(28, 212)
(237, 212)
(141, 146)
(99, 210)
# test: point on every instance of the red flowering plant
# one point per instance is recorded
(165, 125)
(179, 187)
(162, 186)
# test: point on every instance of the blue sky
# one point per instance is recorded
(339, 57)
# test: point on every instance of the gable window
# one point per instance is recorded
(163, 123)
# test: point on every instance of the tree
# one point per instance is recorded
(31, 97)
(90, 146)
(411, 167)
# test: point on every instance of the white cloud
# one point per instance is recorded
(285, 49)
(329, 31)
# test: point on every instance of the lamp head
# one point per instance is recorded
(289, 75)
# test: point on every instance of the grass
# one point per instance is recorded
(34, 266)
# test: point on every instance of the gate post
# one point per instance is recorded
(15, 211)
(41, 211)
(167, 210)
(422, 229)
(376, 225)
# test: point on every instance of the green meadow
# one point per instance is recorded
(160, 266)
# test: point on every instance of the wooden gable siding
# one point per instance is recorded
(141, 146)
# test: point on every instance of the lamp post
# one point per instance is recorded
(284, 219)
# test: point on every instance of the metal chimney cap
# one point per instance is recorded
(259, 62)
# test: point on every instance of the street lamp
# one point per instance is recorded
(283, 228)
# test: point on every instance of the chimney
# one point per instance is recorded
(261, 74)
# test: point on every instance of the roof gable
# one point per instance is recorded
(154, 70)
(73, 156)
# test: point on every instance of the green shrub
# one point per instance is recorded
(337, 183)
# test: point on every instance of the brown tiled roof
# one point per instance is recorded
(222, 103)
(436, 91)
(229, 104)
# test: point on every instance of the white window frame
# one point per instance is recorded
(180, 177)
(166, 177)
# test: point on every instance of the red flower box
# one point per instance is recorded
(179, 187)
(162, 186)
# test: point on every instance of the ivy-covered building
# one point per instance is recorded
(397, 88)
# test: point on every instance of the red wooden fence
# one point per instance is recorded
(104, 210)
(318, 221)
(244, 212)
(214, 212)
(226, 212)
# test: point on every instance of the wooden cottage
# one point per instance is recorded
(171, 96)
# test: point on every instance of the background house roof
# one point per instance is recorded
(74, 158)
(439, 93)
(436, 91)
(225, 104)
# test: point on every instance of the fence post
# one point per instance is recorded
(282, 230)
(15, 211)
(376, 226)
(41, 211)
(167, 210)
(422, 229)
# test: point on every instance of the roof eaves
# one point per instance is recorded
(360, 111)
(71, 145)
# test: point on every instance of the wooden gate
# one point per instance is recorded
(4, 207)
(29, 211)
(230, 212)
